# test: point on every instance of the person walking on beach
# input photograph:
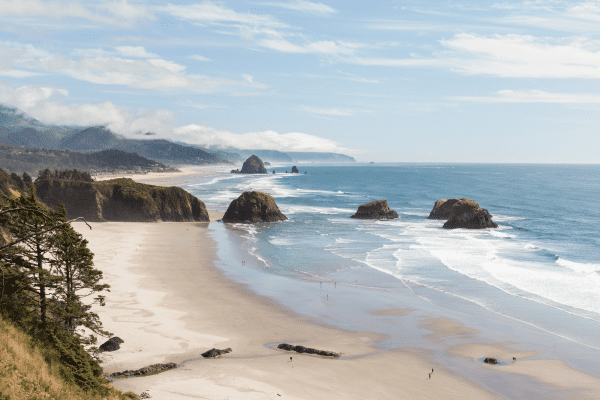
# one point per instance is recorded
(430, 375)
(290, 359)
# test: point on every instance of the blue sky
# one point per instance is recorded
(417, 81)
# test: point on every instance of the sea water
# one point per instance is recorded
(538, 272)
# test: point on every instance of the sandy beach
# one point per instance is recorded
(163, 178)
(169, 303)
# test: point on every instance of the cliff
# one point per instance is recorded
(121, 200)
(253, 207)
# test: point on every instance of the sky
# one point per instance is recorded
(384, 81)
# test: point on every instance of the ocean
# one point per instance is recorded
(534, 281)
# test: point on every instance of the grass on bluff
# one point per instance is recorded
(25, 372)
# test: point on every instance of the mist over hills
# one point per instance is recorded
(20, 129)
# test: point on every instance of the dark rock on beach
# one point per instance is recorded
(467, 214)
(441, 209)
(295, 170)
(490, 360)
(212, 353)
(377, 209)
(307, 350)
(253, 207)
(150, 369)
(253, 165)
(112, 344)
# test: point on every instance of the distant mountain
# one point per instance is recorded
(223, 155)
(20, 129)
(31, 160)
(16, 120)
(90, 139)
(320, 157)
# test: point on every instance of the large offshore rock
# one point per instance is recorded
(121, 200)
(253, 165)
(467, 214)
(295, 170)
(441, 208)
(253, 207)
(377, 209)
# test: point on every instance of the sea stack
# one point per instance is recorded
(441, 209)
(467, 214)
(295, 170)
(253, 165)
(377, 209)
(253, 207)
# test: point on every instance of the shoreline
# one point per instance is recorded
(254, 339)
(164, 178)
(164, 316)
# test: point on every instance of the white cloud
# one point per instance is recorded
(216, 12)
(261, 29)
(533, 96)
(36, 101)
(524, 56)
(267, 140)
(304, 6)
(137, 51)
(39, 102)
(328, 111)
(198, 57)
(112, 12)
(107, 69)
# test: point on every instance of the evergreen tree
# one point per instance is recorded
(30, 222)
(73, 262)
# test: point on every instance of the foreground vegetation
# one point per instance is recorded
(46, 271)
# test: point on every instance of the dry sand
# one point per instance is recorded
(163, 178)
(169, 304)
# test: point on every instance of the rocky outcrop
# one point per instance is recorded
(112, 344)
(253, 207)
(441, 209)
(377, 209)
(150, 369)
(307, 350)
(253, 165)
(213, 353)
(121, 200)
(467, 214)
(490, 360)
(294, 170)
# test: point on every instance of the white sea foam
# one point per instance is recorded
(506, 218)
(296, 209)
(279, 241)
(530, 246)
(583, 268)
(215, 180)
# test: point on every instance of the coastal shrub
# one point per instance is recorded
(26, 373)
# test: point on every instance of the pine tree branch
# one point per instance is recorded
(44, 231)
